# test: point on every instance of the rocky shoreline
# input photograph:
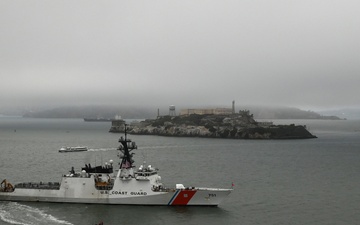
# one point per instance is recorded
(235, 126)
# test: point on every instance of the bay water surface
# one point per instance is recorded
(311, 181)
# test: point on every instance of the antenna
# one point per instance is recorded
(126, 147)
(144, 158)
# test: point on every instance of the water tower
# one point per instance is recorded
(172, 111)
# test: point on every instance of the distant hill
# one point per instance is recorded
(348, 113)
(260, 112)
(94, 112)
(127, 112)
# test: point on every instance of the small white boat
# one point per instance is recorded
(73, 149)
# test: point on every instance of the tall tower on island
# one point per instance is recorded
(233, 106)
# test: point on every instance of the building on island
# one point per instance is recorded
(117, 125)
(215, 111)
(210, 111)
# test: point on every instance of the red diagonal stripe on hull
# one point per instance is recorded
(183, 197)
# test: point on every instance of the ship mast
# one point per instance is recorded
(126, 147)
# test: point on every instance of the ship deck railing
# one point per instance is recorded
(104, 185)
(39, 185)
(146, 173)
(107, 187)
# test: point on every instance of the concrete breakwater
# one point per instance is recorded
(236, 126)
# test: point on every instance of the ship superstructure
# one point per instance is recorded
(106, 185)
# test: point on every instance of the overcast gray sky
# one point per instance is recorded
(299, 53)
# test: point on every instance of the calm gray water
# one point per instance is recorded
(314, 181)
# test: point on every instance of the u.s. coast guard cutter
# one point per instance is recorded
(101, 185)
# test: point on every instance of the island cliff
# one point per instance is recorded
(237, 126)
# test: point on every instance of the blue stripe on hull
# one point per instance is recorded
(173, 197)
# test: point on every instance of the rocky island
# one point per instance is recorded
(236, 126)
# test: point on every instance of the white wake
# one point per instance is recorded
(16, 213)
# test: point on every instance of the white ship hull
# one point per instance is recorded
(127, 192)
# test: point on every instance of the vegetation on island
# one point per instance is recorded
(238, 126)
